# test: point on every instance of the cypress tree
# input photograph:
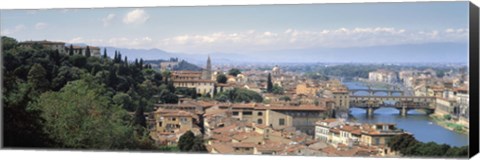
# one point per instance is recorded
(119, 59)
(115, 57)
(70, 51)
(269, 83)
(105, 53)
(140, 117)
(141, 63)
(87, 52)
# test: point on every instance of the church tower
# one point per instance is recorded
(207, 73)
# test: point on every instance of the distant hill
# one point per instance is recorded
(409, 53)
(182, 65)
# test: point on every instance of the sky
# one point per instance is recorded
(245, 29)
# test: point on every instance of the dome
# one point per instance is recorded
(276, 68)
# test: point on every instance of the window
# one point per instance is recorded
(281, 121)
(247, 113)
(174, 119)
(259, 121)
(377, 141)
(260, 113)
(235, 113)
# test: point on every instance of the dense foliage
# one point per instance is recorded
(277, 89)
(239, 95)
(221, 78)
(234, 72)
(407, 145)
(188, 142)
(61, 100)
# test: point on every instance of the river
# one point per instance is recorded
(417, 123)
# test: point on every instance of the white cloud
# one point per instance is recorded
(108, 20)
(251, 40)
(16, 29)
(137, 16)
(301, 39)
(41, 25)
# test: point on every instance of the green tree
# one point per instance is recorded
(447, 117)
(105, 53)
(189, 143)
(124, 100)
(221, 78)
(277, 89)
(78, 60)
(81, 116)
(269, 83)
(234, 72)
(198, 145)
(70, 50)
(239, 95)
(8, 43)
(87, 52)
(186, 141)
(37, 77)
(140, 117)
(285, 98)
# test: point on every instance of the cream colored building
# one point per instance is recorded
(383, 76)
(203, 87)
(301, 117)
(173, 120)
(306, 89)
(342, 99)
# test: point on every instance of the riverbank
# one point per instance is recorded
(448, 124)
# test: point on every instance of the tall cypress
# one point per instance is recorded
(105, 53)
(140, 116)
(115, 57)
(87, 52)
(119, 59)
(269, 83)
(70, 51)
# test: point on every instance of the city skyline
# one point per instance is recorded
(251, 30)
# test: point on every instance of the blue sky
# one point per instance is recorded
(245, 29)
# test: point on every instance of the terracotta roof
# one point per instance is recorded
(243, 145)
(221, 137)
(296, 108)
(225, 129)
(222, 148)
(41, 42)
(193, 80)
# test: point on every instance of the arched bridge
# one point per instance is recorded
(402, 103)
(372, 92)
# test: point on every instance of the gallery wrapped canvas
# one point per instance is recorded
(327, 80)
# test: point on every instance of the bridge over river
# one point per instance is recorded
(401, 103)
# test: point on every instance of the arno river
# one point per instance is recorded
(417, 123)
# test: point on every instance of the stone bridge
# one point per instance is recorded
(372, 92)
(402, 103)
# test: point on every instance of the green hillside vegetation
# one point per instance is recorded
(184, 65)
(56, 100)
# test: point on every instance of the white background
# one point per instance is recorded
(86, 155)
